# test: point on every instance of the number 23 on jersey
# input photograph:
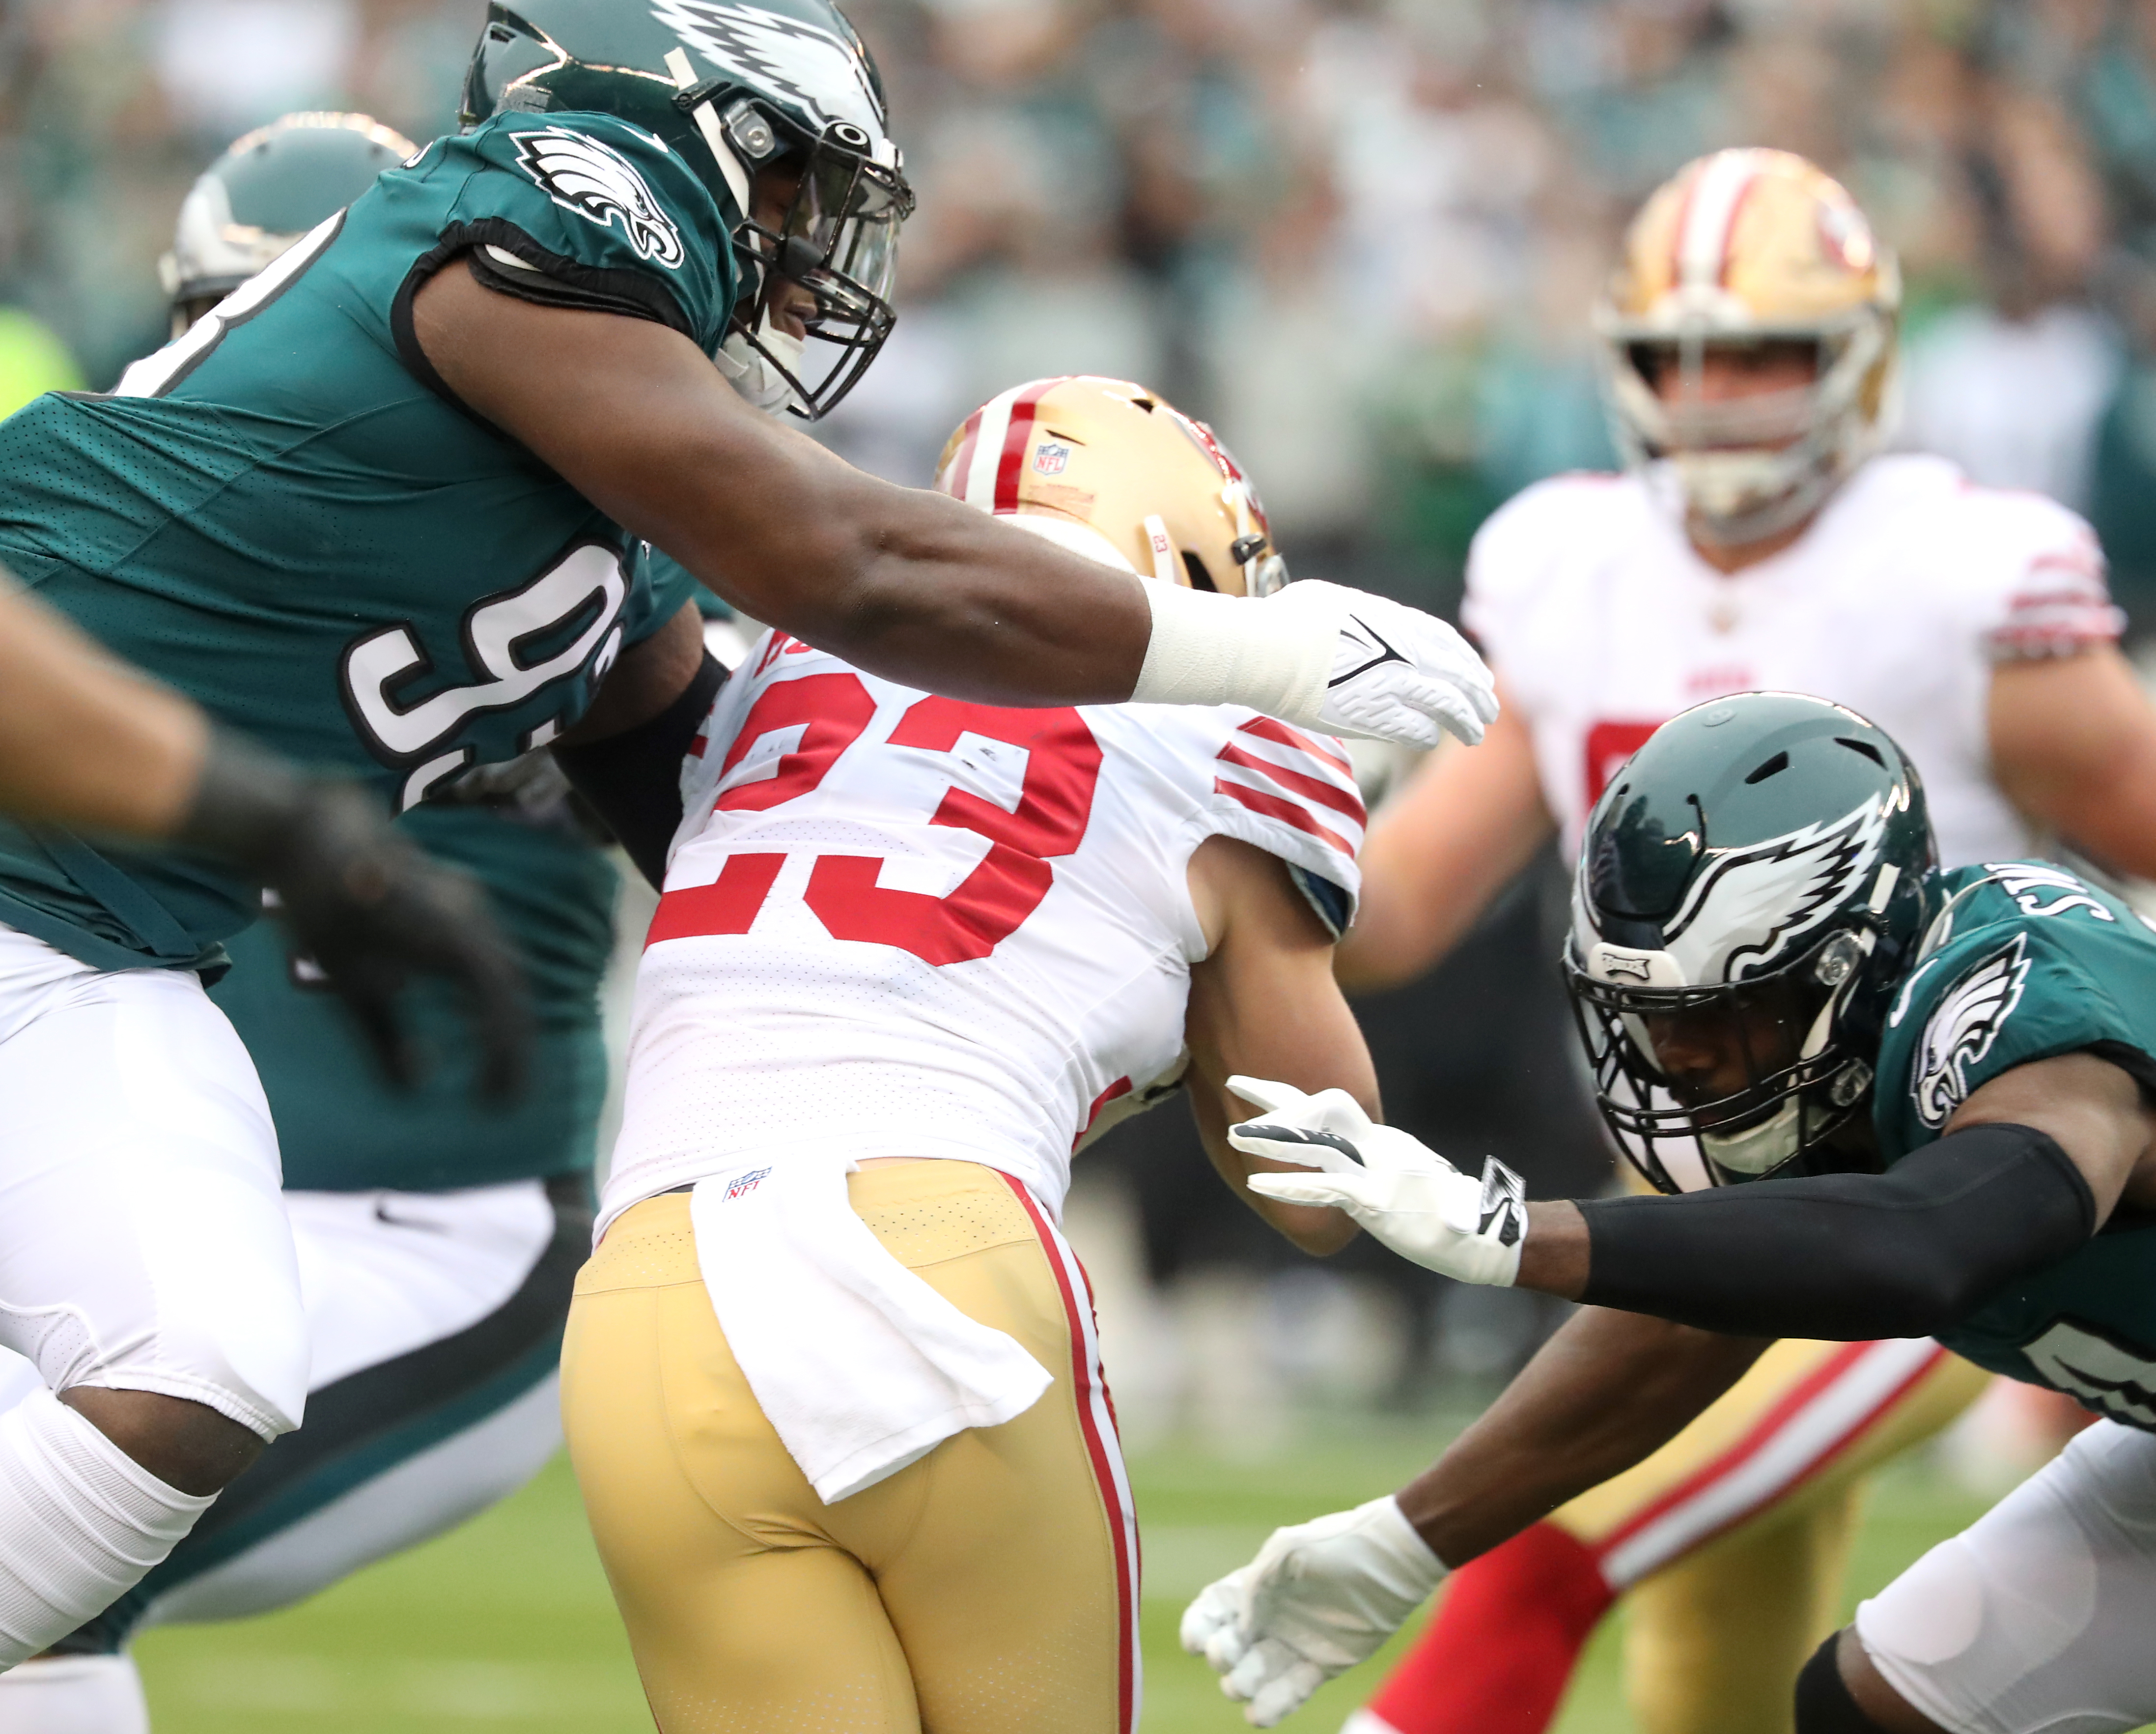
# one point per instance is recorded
(831, 712)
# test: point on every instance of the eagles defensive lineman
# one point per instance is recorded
(1952, 1072)
(386, 507)
(437, 1239)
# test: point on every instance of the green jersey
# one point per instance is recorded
(283, 514)
(341, 1128)
(2029, 962)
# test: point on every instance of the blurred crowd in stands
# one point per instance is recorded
(1362, 237)
(1359, 235)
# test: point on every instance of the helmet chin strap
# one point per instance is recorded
(757, 370)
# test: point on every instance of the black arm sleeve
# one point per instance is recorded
(632, 780)
(1846, 1256)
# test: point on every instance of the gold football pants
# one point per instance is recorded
(988, 1588)
(1729, 1542)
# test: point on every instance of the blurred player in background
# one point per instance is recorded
(935, 947)
(536, 349)
(1757, 543)
(437, 1236)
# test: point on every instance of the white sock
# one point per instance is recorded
(73, 1695)
(81, 1523)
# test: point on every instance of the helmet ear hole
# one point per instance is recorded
(1200, 579)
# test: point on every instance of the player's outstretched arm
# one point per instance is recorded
(85, 741)
(2029, 1167)
(904, 583)
(1266, 996)
(1438, 852)
(2073, 746)
(1602, 1394)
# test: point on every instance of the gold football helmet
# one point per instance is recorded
(1749, 247)
(1110, 471)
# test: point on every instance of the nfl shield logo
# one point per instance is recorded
(742, 1184)
(1050, 458)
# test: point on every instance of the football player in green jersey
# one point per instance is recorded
(438, 1236)
(1893, 1102)
(389, 507)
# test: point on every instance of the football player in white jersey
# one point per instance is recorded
(832, 1384)
(1756, 542)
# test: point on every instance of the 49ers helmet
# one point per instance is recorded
(1110, 470)
(1746, 247)
(1752, 891)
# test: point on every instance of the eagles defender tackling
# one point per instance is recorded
(526, 352)
(1759, 540)
(832, 1387)
(1936, 1086)
(437, 1238)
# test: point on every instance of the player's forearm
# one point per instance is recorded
(85, 742)
(1847, 1257)
(1604, 1393)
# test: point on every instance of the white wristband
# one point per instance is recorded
(1210, 649)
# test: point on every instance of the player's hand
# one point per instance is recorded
(1319, 1597)
(1393, 1185)
(1397, 674)
(369, 907)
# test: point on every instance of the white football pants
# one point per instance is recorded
(2040, 1617)
(143, 1240)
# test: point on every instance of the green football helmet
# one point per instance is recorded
(737, 87)
(263, 194)
(1752, 889)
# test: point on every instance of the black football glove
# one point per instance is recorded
(364, 904)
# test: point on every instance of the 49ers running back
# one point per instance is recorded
(831, 1383)
(1757, 541)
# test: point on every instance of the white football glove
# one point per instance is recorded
(1319, 655)
(1397, 674)
(1396, 1187)
(1319, 1597)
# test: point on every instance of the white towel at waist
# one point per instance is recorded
(858, 1364)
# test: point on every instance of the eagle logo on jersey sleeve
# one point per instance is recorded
(582, 174)
(1964, 1028)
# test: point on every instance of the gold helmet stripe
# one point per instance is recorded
(1711, 205)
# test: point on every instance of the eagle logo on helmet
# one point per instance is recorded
(1753, 904)
(820, 72)
(1964, 1028)
(582, 174)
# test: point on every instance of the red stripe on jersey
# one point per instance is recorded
(727, 905)
(1762, 1434)
(1121, 1087)
(1286, 811)
(1278, 733)
(1325, 794)
(1086, 1387)
(1016, 438)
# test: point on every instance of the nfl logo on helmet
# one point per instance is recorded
(1050, 457)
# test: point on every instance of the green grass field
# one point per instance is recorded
(506, 1624)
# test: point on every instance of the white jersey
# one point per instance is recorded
(900, 925)
(1603, 623)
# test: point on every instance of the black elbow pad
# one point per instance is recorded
(632, 780)
(1846, 1256)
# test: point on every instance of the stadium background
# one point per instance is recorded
(1360, 236)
